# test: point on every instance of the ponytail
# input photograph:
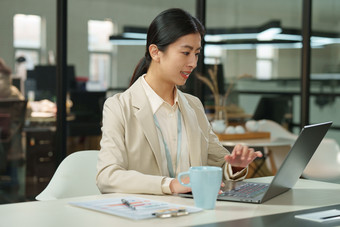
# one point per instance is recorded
(165, 29)
(141, 68)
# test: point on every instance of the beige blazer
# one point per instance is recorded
(129, 160)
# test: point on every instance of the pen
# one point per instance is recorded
(329, 217)
(125, 202)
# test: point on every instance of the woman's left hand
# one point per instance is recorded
(242, 156)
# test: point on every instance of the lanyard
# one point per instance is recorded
(172, 172)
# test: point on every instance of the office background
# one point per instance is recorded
(276, 72)
(219, 14)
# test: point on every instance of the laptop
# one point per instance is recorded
(287, 175)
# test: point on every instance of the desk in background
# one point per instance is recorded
(41, 163)
(305, 195)
(270, 145)
(40, 157)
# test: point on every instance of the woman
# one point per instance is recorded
(7, 90)
(153, 131)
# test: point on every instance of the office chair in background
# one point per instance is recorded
(12, 158)
(75, 176)
(87, 109)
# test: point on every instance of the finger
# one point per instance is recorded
(257, 154)
(227, 157)
(254, 155)
(246, 157)
(237, 149)
(233, 154)
(251, 155)
(245, 153)
(186, 180)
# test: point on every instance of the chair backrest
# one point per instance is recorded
(12, 120)
(325, 163)
(87, 112)
(75, 176)
(13, 114)
(5, 125)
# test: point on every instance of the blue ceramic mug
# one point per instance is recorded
(205, 183)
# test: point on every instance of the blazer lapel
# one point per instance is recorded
(192, 129)
(144, 116)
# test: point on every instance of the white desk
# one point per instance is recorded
(306, 194)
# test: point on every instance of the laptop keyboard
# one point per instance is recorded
(247, 190)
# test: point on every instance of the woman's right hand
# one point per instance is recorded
(177, 188)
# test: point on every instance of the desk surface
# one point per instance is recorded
(305, 195)
(47, 117)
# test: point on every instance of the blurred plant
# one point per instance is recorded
(212, 83)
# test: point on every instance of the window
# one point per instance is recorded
(100, 52)
(265, 64)
(27, 38)
(100, 67)
(27, 31)
(212, 55)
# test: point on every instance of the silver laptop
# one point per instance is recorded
(288, 174)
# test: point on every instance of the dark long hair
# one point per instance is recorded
(165, 29)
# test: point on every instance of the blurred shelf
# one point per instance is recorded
(247, 135)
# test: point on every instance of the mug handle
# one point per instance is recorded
(180, 176)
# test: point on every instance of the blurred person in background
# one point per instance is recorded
(7, 90)
(12, 155)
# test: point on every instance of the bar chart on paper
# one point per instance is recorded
(143, 208)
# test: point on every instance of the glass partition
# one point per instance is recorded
(26, 124)
(325, 65)
(258, 44)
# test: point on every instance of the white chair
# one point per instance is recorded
(325, 163)
(75, 176)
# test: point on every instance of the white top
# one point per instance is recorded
(167, 117)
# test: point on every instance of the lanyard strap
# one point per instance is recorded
(172, 172)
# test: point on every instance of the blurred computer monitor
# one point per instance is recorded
(17, 83)
(43, 81)
(87, 109)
